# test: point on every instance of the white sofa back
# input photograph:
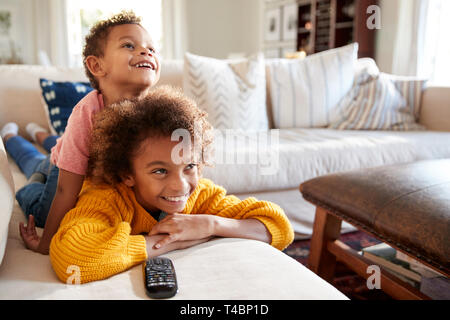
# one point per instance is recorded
(21, 98)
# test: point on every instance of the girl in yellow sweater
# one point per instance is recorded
(139, 200)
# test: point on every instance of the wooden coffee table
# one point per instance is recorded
(407, 206)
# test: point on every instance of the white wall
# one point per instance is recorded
(386, 36)
(214, 28)
(22, 28)
(218, 28)
(37, 27)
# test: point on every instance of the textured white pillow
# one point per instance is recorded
(232, 92)
(305, 92)
(380, 102)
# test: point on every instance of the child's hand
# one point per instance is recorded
(176, 245)
(30, 237)
(182, 227)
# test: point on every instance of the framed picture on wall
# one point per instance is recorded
(290, 19)
(272, 25)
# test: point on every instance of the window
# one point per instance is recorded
(82, 14)
(436, 64)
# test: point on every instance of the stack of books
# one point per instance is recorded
(428, 281)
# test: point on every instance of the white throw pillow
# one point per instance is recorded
(376, 103)
(305, 92)
(411, 88)
(232, 92)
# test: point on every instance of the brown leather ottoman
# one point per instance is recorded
(406, 206)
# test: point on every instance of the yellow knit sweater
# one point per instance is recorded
(102, 235)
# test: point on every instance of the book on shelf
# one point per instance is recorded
(429, 281)
(385, 256)
(437, 288)
(417, 266)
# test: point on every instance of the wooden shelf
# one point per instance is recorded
(335, 23)
(340, 25)
(327, 24)
(303, 30)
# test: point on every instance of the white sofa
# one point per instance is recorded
(303, 154)
(225, 269)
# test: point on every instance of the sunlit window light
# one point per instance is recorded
(82, 14)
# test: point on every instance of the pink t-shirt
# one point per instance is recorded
(71, 152)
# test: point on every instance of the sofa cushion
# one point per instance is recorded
(59, 99)
(300, 154)
(411, 89)
(376, 103)
(305, 92)
(232, 92)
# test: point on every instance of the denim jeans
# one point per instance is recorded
(34, 198)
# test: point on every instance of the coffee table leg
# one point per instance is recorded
(326, 228)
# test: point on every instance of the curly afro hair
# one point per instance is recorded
(120, 129)
(95, 41)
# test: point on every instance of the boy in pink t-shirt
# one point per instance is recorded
(71, 152)
(121, 63)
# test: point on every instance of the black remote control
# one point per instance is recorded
(159, 278)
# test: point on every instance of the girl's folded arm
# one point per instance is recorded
(213, 213)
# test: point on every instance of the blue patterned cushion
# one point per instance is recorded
(60, 98)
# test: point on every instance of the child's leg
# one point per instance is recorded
(25, 154)
(41, 136)
(49, 142)
(36, 198)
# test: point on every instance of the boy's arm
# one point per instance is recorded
(69, 186)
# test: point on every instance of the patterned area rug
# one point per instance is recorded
(346, 281)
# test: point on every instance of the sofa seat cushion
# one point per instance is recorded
(302, 154)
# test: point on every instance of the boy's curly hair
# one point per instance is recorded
(120, 129)
(95, 41)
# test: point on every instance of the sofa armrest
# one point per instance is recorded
(6, 198)
(435, 110)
